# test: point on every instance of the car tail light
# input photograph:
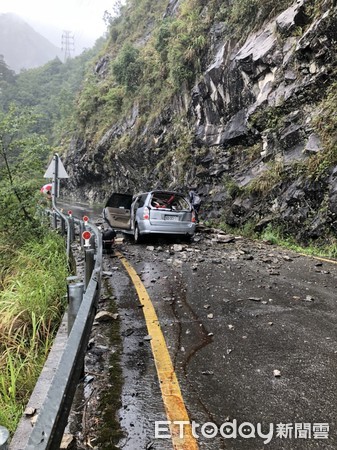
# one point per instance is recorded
(193, 219)
(146, 213)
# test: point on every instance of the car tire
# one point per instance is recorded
(188, 239)
(136, 235)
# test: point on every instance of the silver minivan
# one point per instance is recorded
(155, 212)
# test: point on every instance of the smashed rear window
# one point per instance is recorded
(169, 200)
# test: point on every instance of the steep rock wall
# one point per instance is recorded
(244, 135)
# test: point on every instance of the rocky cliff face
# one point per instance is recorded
(250, 134)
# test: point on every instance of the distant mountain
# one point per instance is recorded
(21, 46)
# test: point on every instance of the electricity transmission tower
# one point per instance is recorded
(68, 44)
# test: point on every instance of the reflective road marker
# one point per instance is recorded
(170, 389)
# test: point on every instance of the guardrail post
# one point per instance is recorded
(89, 258)
(4, 436)
(93, 243)
(71, 230)
(81, 231)
(63, 226)
(54, 220)
(75, 296)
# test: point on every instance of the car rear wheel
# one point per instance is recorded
(137, 236)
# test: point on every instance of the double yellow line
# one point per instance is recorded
(169, 385)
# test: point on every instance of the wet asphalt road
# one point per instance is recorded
(232, 314)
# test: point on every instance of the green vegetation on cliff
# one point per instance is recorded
(151, 54)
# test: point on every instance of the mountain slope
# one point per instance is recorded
(235, 98)
(21, 46)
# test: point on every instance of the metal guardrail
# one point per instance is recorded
(53, 415)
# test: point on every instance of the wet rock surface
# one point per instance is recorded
(251, 332)
(251, 118)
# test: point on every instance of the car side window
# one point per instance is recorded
(136, 204)
(139, 202)
(142, 199)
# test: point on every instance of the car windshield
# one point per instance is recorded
(169, 200)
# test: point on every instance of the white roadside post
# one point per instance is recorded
(75, 296)
(86, 235)
(89, 257)
(83, 227)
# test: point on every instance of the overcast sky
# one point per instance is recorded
(84, 18)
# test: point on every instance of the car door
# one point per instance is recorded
(117, 211)
(137, 210)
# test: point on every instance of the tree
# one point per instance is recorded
(6, 74)
(22, 158)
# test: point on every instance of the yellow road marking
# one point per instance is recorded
(320, 259)
(169, 385)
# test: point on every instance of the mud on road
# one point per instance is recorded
(251, 331)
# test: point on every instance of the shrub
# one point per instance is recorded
(127, 68)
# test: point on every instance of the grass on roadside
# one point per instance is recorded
(31, 304)
(276, 236)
